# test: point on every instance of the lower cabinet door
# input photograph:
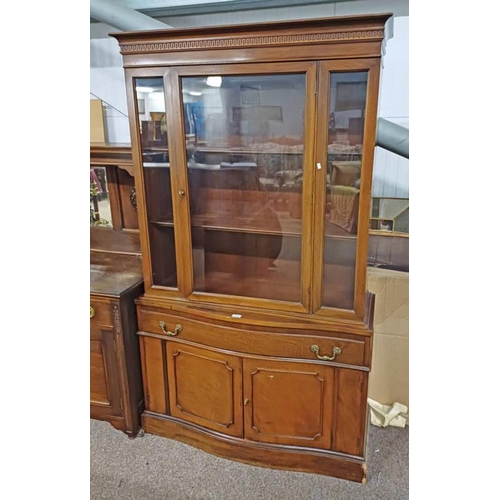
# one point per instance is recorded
(205, 387)
(288, 403)
(104, 376)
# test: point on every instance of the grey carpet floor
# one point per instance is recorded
(155, 468)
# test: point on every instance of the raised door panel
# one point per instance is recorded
(98, 383)
(104, 377)
(205, 388)
(288, 403)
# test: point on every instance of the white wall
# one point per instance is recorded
(107, 82)
(390, 174)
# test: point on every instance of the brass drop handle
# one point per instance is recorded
(337, 351)
(92, 312)
(177, 329)
(182, 193)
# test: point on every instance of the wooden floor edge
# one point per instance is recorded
(318, 462)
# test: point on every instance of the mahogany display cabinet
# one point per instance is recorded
(253, 148)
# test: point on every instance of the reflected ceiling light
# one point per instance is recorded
(156, 96)
(214, 81)
(144, 89)
(195, 93)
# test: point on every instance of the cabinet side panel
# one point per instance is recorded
(153, 370)
(351, 407)
(134, 398)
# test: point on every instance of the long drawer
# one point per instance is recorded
(332, 348)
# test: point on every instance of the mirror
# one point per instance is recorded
(390, 215)
(100, 207)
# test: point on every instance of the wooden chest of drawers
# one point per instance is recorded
(115, 375)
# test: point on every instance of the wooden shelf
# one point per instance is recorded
(154, 149)
(290, 227)
(277, 287)
(162, 223)
(241, 151)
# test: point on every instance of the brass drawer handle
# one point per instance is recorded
(92, 312)
(337, 351)
(177, 329)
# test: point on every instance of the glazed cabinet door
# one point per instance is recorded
(205, 388)
(241, 144)
(288, 403)
(105, 398)
(345, 143)
(153, 177)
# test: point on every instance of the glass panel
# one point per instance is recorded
(345, 144)
(390, 215)
(244, 145)
(100, 208)
(150, 101)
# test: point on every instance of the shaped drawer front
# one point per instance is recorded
(288, 403)
(327, 348)
(205, 387)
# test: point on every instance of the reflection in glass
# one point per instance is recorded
(345, 145)
(390, 215)
(100, 208)
(244, 146)
(150, 102)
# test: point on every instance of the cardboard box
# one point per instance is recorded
(389, 378)
(96, 121)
